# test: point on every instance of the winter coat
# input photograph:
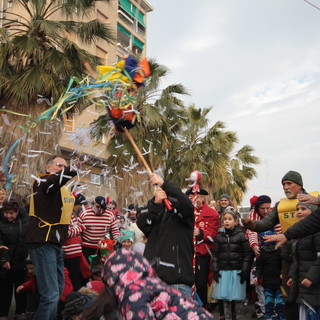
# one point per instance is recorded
(12, 235)
(231, 251)
(31, 284)
(207, 221)
(169, 247)
(140, 294)
(268, 266)
(306, 264)
(305, 227)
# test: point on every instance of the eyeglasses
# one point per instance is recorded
(60, 165)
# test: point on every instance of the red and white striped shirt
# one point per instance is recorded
(97, 227)
(73, 246)
(252, 235)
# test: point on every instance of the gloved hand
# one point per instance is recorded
(243, 276)
(217, 275)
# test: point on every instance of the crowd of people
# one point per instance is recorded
(177, 257)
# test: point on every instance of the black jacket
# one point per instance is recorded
(231, 251)
(47, 206)
(12, 235)
(305, 227)
(169, 248)
(269, 266)
(306, 264)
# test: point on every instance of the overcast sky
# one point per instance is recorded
(258, 64)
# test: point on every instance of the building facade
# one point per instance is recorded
(128, 21)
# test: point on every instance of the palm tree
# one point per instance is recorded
(211, 150)
(177, 140)
(37, 59)
(161, 116)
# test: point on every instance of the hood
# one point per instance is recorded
(123, 267)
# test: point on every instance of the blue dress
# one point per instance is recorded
(229, 286)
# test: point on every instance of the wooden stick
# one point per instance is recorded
(137, 150)
(166, 201)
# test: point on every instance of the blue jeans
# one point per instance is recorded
(183, 288)
(48, 265)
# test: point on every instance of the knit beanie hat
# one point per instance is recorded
(225, 196)
(73, 304)
(95, 285)
(253, 200)
(310, 206)
(262, 199)
(126, 235)
(101, 201)
(293, 176)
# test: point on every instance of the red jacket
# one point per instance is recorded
(207, 220)
(31, 284)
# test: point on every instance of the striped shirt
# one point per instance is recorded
(252, 235)
(72, 247)
(97, 227)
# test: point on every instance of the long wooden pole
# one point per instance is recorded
(137, 150)
(166, 202)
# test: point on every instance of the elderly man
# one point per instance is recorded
(284, 213)
(284, 210)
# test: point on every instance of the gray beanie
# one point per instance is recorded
(293, 176)
(225, 196)
(310, 206)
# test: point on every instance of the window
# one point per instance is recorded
(95, 178)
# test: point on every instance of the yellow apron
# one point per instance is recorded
(287, 211)
(68, 201)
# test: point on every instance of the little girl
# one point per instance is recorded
(231, 264)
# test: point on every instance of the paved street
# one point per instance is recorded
(248, 310)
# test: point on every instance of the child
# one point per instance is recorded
(127, 239)
(30, 287)
(231, 264)
(305, 271)
(268, 267)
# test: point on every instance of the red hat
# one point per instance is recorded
(253, 201)
(95, 285)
